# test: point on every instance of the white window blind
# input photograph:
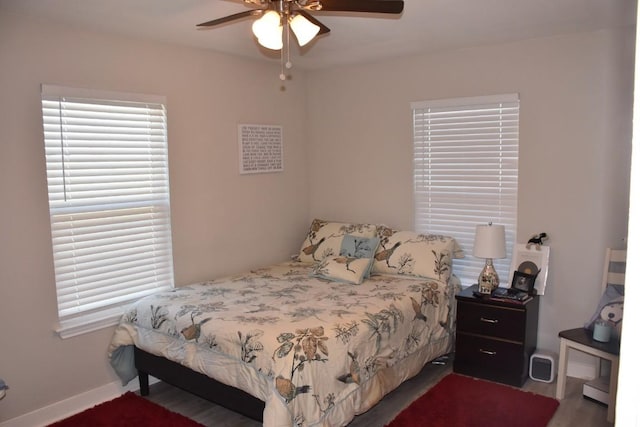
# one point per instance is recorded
(108, 182)
(466, 173)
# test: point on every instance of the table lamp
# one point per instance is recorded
(489, 244)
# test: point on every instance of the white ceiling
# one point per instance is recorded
(424, 26)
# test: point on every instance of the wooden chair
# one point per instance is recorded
(581, 339)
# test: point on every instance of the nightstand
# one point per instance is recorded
(495, 339)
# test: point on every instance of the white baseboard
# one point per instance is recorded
(65, 408)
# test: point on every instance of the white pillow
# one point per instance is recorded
(342, 269)
(413, 254)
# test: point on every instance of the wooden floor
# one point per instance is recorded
(574, 410)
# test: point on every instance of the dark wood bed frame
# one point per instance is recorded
(196, 383)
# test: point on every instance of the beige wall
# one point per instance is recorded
(356, 165)
(575, 125)
(222, 221)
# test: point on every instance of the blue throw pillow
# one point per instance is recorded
(360, 247)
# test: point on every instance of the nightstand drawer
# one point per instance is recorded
(489, 358)
(499, 322)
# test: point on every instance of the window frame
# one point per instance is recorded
(442, 130)
(107, 170)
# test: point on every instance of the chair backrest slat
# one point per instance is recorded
(614, 267)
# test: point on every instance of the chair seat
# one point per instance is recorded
(585, 337)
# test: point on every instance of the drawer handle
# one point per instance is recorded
(490, 353)
(484, 319)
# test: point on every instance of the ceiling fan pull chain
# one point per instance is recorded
(286, 47)
(288, 27)
(282, 75)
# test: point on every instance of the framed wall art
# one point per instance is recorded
(531, 261)
(260, 148)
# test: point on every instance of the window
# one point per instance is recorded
(108, 182)
(466, 172)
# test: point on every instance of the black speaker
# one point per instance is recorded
(542, 367)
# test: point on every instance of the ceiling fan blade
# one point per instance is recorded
(372, 6)
(233, 17)
(323, 28)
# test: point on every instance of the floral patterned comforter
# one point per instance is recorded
(312, 349)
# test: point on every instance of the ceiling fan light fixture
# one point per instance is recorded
(304, 29)
(268, 30)
(277, 17)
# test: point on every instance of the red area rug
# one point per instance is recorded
(459, 401)
(128, 410)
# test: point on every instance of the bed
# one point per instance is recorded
(309, 342)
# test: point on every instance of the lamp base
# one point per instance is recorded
(488, 279)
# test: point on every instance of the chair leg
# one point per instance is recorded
(613, 390)
(562, 370)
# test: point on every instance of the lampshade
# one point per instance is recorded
(304, 29)
(268, 30)
(490, 242)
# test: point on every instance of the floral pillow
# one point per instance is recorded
(412, 254)
(342, 269)
(325, 238)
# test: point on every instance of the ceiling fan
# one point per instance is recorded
(277, 16)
